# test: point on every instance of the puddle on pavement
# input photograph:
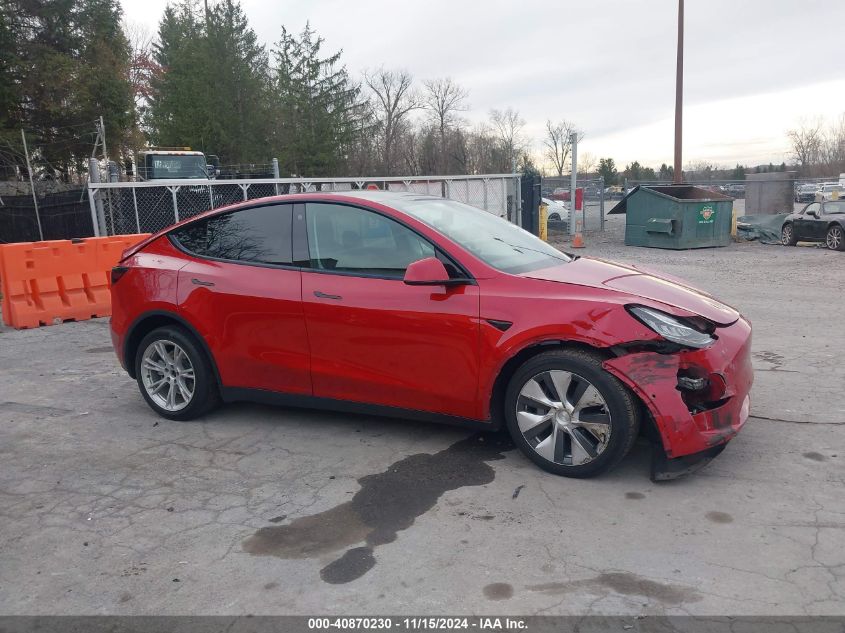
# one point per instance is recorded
(387, 503)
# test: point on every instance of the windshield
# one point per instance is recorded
(169, 166)
(492, 239)
(837, 206)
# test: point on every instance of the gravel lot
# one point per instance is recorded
(107, 509)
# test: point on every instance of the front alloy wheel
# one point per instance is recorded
(834, 240)
(563, 417)
(568, 415)
(787, 237)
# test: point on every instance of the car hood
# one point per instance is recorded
(638, 282)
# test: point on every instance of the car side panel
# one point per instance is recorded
(252, 319)
(149, 285)
(388, 343)
(543, 312)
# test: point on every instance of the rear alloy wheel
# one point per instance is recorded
(568, 415)
(835, 239)
(787, 236)
(174, 374)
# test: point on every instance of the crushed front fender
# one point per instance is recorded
(685, 430)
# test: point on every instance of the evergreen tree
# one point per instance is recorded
(607, 170)
(318, 111)
(62, 65)
(212, 91)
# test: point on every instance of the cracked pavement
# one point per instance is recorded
(107, 509)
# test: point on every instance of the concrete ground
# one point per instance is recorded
(107, 509)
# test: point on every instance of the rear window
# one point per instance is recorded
(259, 235)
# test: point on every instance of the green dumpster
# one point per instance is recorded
(676, 216)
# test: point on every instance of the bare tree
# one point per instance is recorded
(508, 125)
(586, 163)
(143, 69)
(443, 99)
(558, 143)
(806, 142)
(393, 100)
(832, 146)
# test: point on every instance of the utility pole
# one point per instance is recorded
(679, 96)
(32, 186)
(103, 140)
(573, 180)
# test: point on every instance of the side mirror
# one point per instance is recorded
(813, 213)
(429, 272)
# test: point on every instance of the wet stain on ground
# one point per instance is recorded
(624, 583)
(634, 495)
(125, 597)
(271, 585)
(816, 457)
(353, 564)
(100, 350)
(719, 517)
(278, 519)
(387, 503)
(498, 591)
(633, 585)
(32, 409)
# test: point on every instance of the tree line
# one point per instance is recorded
(205, 81)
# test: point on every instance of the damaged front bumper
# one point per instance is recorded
(693, 427)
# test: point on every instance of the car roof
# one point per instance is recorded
(381, 196)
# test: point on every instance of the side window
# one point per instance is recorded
(352, 240)
(260, 235)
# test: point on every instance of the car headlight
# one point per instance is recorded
(671, 328)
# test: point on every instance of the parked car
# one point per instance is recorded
(556, 210)
(614, 191)
(413, 306)
(817, 222)
(831, 191)
(806, 192)
(736, 190)
(560, 194)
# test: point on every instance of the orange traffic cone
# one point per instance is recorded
(578, 239)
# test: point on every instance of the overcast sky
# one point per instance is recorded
(753, 68)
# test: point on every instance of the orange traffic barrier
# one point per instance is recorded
(59, 280)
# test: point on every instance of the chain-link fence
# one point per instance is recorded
(589, 209)
(147, 207)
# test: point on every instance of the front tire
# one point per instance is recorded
(835, 238)
(787, 235)
(175, 375)
(570, 416)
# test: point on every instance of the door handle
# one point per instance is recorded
(323, 295)
(200, 282)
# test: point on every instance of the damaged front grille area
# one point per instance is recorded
(701, 391)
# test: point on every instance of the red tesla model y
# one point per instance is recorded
(419, 307)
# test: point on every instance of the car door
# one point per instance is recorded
(818, 227)
(242, 291)
(373, 338)
(804, 224)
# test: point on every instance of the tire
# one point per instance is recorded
(835, 237)
(158, 349)
(610, 411)
(787, 235)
